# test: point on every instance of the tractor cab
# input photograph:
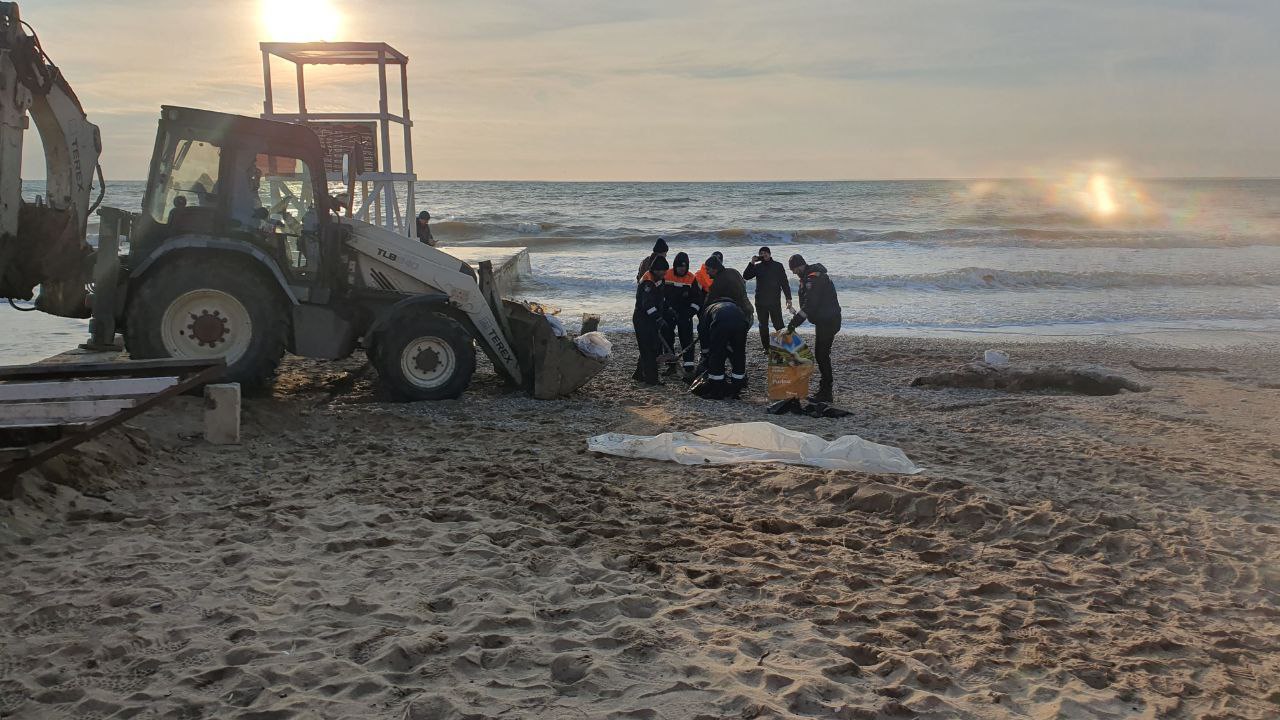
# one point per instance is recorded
(241, 179)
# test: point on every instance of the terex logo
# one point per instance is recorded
(388, 255)
(499, 345)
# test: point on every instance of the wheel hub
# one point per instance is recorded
(427, 361)
(208, 328)
(206, 323)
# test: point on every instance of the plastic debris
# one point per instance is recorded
(757, 442)
(595, 345)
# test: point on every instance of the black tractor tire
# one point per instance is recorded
(423, 355)
(267, 311)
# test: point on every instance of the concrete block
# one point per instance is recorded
(222, 413)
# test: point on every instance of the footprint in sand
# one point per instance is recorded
(570, 668)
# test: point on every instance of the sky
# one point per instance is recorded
(719, 90)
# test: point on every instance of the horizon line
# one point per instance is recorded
(817, 180)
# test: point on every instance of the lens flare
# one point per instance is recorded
(1103, 194)
(300, 20)
(1103, 197)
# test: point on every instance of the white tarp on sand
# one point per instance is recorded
(757, 442)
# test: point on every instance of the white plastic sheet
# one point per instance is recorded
(757, 442)
(594, 344)
(995, 358)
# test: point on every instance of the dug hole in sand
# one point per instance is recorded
(1063, 556)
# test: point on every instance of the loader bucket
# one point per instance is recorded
(553, 366)
(49, 252)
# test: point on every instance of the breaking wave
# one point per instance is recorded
(978, 279)
(547, 234)
(973, 279)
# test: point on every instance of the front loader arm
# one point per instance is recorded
(441, 271)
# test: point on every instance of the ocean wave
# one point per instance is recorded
(539, 234)
(1048, 217)
(983, 279)
(971, 279)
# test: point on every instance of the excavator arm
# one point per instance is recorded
(43, 243)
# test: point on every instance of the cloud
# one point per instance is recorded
(719, 88)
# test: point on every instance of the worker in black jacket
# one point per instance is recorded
(724, 337)
(820, 306)
(659, 251)
(727, 283)
(651, 320)
(771, 285)
(684, 298)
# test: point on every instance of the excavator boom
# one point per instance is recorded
(43, 244)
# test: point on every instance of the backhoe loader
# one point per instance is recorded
(240, 252)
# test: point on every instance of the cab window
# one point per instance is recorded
(188, 178)
(276, 200)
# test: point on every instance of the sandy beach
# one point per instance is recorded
(1060, 556)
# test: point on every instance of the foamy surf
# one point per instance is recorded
(925, 257)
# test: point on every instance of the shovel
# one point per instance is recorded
(668, 355)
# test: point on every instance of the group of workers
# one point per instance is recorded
(670, 298)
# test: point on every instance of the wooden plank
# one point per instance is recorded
(138, 368)
(9, 425)
(59, 413)
(9, 475)
(83, 389)
(9, 454)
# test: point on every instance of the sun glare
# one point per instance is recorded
(300, 20)
(1104, 199)
(1104, 193)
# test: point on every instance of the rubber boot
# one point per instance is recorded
(823, 395)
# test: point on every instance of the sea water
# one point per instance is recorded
(1181, 261)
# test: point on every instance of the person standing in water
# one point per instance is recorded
(650, 321)
(771, 286)
(659, 251)
(684, 297)
(820, 306)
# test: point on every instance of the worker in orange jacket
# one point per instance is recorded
(684, 298)
(704, 279)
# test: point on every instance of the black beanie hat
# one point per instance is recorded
(658, 266)
(660, 246)
(718, 255)
(796, 261)
(764, 250)
(713, 262)
(682, 260)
